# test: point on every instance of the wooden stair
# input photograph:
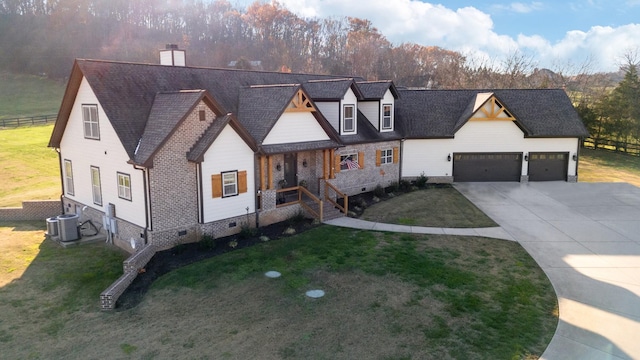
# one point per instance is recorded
(330, 212)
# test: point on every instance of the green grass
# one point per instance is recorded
(388, 296)
(503, 309)
(437, 207)
(28, 95)
(608, 166)
(29, 170)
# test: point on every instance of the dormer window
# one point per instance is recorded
(387, 117)
(349, 119)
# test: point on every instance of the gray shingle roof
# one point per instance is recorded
(167, 111)
(331, 89)
(368, 133)
(375, 90)
(127, 91)
(440, 113)
(260, 107)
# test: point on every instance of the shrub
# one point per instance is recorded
(208, 242)
(247, 231)
(379, 191)
(421, 181)
(405, 185)
(393, 187)
(297, 218)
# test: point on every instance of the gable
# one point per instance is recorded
(293, 127)
(300, 103)
(487, 107)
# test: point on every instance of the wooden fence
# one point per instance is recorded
(25, 121)
(612, 145)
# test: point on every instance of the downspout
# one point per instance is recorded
(256, 183)
(200, 197)
(400, 160)
(147, 210)
(61, 179)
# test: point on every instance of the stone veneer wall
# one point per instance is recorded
(357, 181)
(32, 210)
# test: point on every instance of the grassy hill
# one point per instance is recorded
(28, 95)
(29, 170)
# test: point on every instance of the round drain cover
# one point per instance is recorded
(315, 294)
(272, 274)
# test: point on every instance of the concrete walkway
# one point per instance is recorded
(491, 232)
(586, 238)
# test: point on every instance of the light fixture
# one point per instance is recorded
(278, 167)
(575, 157)
(449, 157)
(526, 157)
(304, 163)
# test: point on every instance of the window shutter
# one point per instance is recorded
(396, 155)
(216, 185)
(361, 159)
(336, 164)
(242, 182)
(378, 156)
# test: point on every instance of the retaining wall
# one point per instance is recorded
(32, 210)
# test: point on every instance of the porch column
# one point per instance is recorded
(261, 172)
(269, 172)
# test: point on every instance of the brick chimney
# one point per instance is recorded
(172, 56)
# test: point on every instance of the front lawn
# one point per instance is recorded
(388, 296)
(436, 206)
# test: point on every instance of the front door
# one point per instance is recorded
(291, 169)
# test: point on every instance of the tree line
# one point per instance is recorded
(44, 36)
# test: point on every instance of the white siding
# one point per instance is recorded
(430, 156)
(331, 112)
(349, 99)
(295, 127)
(227, 153)
(371, 109)
(108, 154)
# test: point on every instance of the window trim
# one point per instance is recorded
(126, 188)
(90, 122)
(352, 117)
(386, 159)
(355, 159)
(69, 185)
(390, 117)
(94, 187)
(234, 173)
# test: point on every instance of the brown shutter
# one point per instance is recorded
(242, 182)
(336, 164)
(216, 185)
(378, 157)
(396, 154)
(361, 159)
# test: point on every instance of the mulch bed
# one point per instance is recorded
(185, 254)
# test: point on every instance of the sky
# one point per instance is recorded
(564, 35)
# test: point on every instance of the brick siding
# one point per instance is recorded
(32, 210)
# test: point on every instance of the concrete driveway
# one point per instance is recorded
(586, 238)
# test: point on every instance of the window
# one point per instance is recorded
(90, 121)
(68, 177)
(387, 109)
(124, 186)
(96, 188)
(348, 123)
(202, 113)
(229, 183)
(349, 162)
(386, 156)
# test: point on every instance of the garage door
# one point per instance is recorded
(487, 167)
(548, 166)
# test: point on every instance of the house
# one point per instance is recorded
(165, 153)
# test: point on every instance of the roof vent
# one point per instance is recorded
(172, 56)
